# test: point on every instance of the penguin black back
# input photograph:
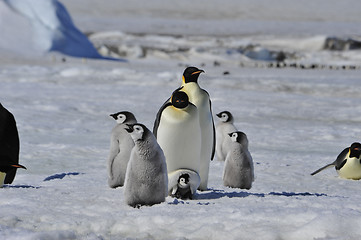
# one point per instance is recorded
(9, 141)
(191, 74)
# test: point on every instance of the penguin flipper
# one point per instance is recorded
(323, 168)
(159, 114)
(214, 132)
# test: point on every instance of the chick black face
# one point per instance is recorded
(355, 150)
(191, 74)
(225, 116)
(180, 99)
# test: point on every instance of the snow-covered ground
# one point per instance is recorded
(297, 120)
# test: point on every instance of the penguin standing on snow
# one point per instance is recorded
(347, 163)
(179, 135)
(238, 168)
(9, 147)
(223, 128)
(121, 144)
(200, 98)
(146, 179)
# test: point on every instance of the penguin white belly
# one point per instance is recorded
(179, 137)
(226, 142)
(2, 178)
(351, 170)
(200, 98)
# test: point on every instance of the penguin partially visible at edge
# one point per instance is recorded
(9, 143)
(200, 98)
(223, 128)
(178, 133)
(238, 168)
(347, 163)
(6, 166)
(146, 179)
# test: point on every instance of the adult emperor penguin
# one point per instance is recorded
(238, 168)
(178, 133)
(121, 144)
(223, 128)
(9, 143)
(6, 166)
(146, 179)
(347, 163)
(200, 98)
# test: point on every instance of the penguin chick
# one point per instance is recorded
(183, 189)
(9, 143)
(121, 144)
(238, 169)
(178, 133)
(183, 183)
(200, 98)
(7, 165)
(146, 179)
(347, 163)
(223, 128)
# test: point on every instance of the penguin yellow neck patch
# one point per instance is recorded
(2, 178)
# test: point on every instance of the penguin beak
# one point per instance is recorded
(198, 72)
(113, 116)
(230, 134)
(18, 166)
(219, 115)
(130, 128)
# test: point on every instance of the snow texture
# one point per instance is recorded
(296, 120)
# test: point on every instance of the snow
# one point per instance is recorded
(296, 120)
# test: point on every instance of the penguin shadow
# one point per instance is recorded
(20, 186)
(61, 176)
(217, 194)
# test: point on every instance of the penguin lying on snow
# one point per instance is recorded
(121, 144)
(9, 147)
(347, 163)
(223, 128)
(238, 168)
(146, 179)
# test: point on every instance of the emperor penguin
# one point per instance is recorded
(223, 128)
(183, 183)
(347, 163)
(6, 166)
(200, 98)
(146, 179)
(238, 168)
(9, 144)
(121, 144)
(178, 133)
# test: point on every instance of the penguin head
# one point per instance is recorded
(239, 137)
(179, 99)
(191, 74)
(137, 131)
(355, 150)
(183, 180)
(123, 117)
(225, 116)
